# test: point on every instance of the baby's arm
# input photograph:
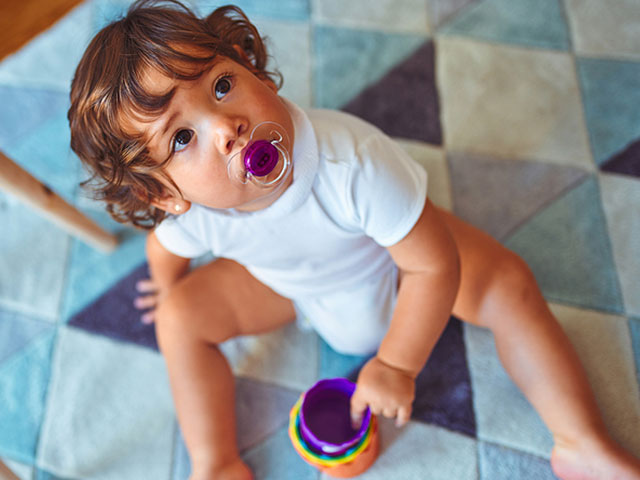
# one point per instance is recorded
(166, 269)
(430, 274)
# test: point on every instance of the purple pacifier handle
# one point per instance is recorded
(260, 158)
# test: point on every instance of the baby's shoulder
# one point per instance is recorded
(340, 135)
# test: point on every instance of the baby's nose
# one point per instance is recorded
(228, 134)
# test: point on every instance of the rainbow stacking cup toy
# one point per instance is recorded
(321, 432)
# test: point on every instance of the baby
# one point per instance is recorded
(310, 214)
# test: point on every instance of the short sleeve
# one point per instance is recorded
(388, 190)
(174, 235)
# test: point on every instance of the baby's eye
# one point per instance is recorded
(222, 87)
(182, 139)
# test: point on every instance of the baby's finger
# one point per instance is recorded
(404, 414)
(147, 318)
(358, 407)
(389, 412)
(145, 285)
(147, 301)
(375, 409)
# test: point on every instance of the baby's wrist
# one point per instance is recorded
(396, 368)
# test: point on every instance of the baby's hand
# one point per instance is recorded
(147, 300)
(385, 390)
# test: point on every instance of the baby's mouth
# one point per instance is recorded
(264, 160)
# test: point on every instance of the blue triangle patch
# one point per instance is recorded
(44, 475)
(24, 379)
(17, 331)
(24, 109)
(501, 463)
(610, 93)
(568, 248)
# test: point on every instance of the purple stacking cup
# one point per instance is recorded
(325, 417)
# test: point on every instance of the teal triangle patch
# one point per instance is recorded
(568, 248)
(538, 24)
(347, 61)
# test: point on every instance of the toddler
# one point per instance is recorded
(310, 214)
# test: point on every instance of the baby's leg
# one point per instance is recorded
(498, 291)
(210, 305)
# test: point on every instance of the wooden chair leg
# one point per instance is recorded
(20, 183)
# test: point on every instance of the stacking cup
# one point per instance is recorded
(321, 432)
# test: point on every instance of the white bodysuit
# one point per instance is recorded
(322, 243)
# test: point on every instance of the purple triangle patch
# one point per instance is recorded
(626, 162)
(113, 314)
(404, 103)
(443, 388)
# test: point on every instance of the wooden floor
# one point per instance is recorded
(23, 19)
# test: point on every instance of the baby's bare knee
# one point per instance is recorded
(171, 308)
(183, 314)
(512, 287)
(170, 317)
(518, 281)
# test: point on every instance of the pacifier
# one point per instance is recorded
(265, 160)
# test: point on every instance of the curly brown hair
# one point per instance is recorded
(107, 87)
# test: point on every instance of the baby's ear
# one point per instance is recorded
(168, 202)
(171, 204)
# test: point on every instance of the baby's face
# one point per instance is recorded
(209, 120)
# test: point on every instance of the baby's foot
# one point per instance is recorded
(237, 470)
(594, 462)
